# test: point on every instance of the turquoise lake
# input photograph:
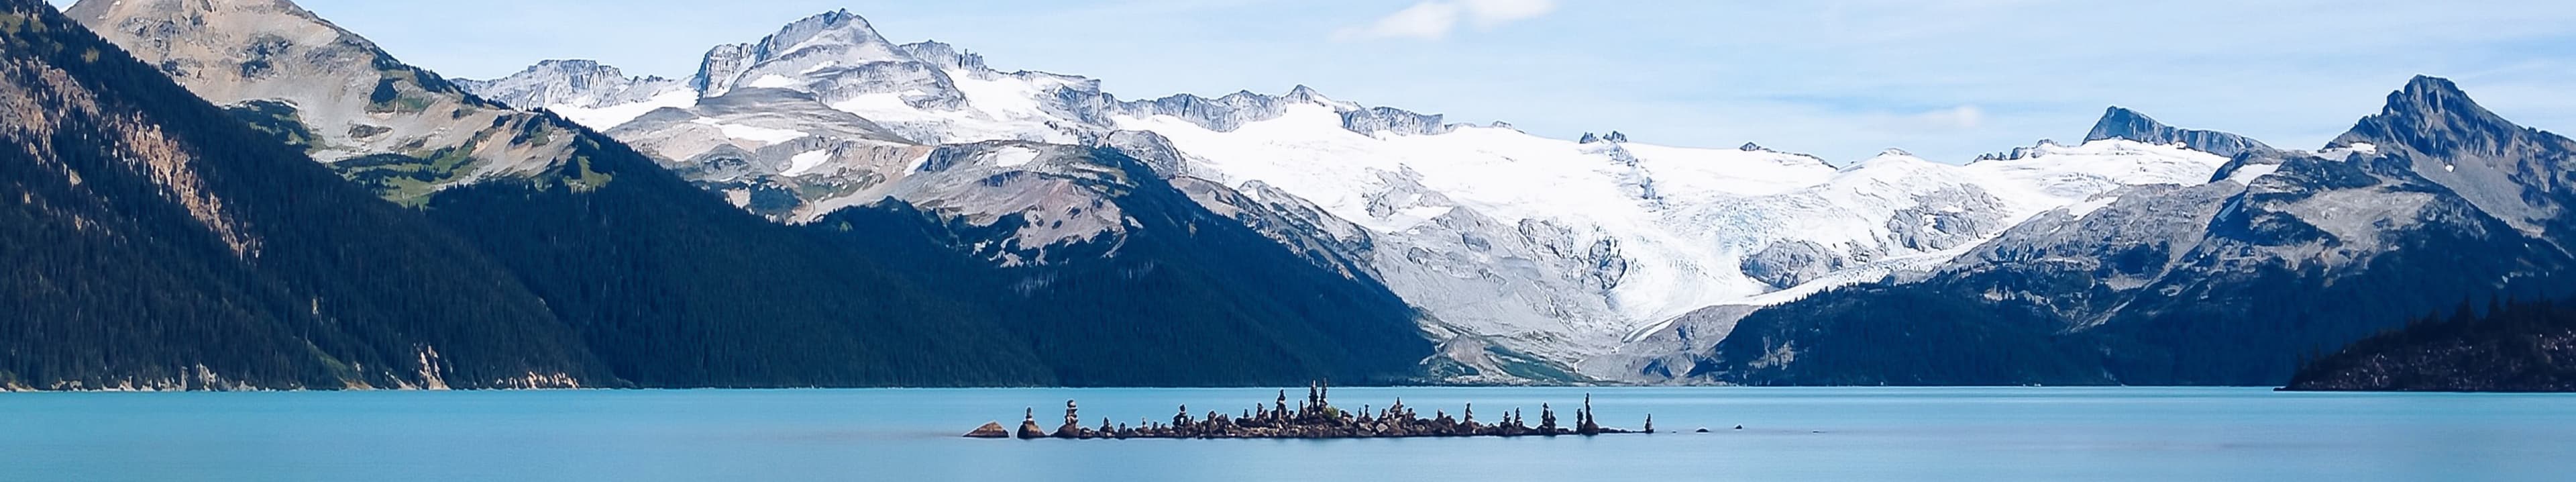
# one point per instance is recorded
(1967, 434)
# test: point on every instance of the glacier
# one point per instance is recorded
(1587, 255)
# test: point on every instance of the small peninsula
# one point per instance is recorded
(2517, 347)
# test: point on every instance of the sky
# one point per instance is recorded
(1840, 79)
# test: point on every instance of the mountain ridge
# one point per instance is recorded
(2122, 123)
(1339, 239)
(157, 243)
(1441, 234)
(675, 287)
(2291, 252)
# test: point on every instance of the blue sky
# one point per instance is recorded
(1841, 79)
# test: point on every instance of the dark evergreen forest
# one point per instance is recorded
(606, 271)
(152, 239)
(2504, 346)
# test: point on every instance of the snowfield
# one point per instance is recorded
(1564, 250)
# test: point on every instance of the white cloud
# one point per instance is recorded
(1493, 13)
(1435, 19)
(1956, 118)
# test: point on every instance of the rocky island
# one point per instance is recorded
(1313, 418)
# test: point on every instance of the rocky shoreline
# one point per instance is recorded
(1313, 418)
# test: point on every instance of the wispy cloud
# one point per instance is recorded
(1435, 19)
(1964, 117)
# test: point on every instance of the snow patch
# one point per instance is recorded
(2248, 173)
(761, 135)
(1014, 156)
(772, 81)
(605, 118)
(2086, 208)
(806, 162)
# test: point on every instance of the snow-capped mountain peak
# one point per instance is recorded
(847, 33)
(806, 53)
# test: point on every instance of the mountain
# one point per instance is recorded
(2223, 283)
(401, 130)
(585, 91)
(2517, 347)
(666, 285)
(156, 242)
(1153, 290)
(2120, 123)
(825, 207)
(1533, 258)
(982, 264)
(2523, 176)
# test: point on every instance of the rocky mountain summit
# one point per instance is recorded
(402, 130)
(2121, 123)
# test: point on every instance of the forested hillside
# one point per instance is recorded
(674, 288)
(2506, 347)
(162, 242)
(1187, 297)
(155, 242)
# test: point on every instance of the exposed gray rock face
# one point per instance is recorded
(2130, 244)
(2522, 175)
(581, 83)
(1472, 268)
(1319, 237)
(1225, 114)
(2019, 152)
(946, 56)
(1947, 218)
(1791, 263)
(721, 66)
(347, 98)
(1669, 353)
(2120, 123)
(1394, 121)
(1153, 149)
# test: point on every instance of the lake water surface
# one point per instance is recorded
(901, 435)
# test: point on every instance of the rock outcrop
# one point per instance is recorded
(1029, 426)
(2121, 123)
(1317, 418)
